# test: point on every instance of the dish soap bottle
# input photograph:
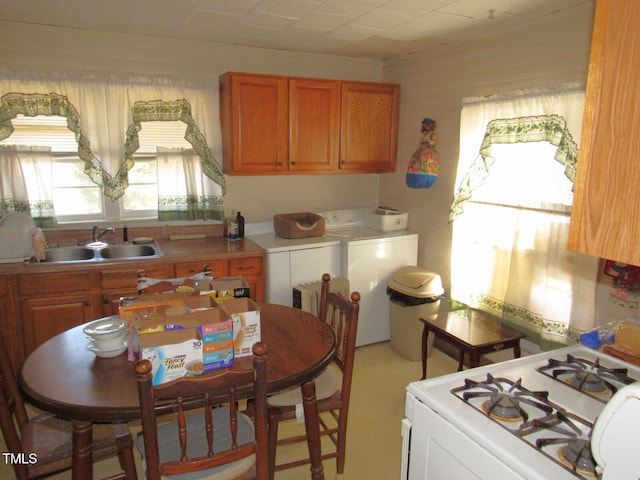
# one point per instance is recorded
(233, 226)
(240, 221)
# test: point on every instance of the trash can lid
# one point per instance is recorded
(416, 282)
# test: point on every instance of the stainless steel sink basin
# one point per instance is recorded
(102, 253)
(128, 251)
(69, 254)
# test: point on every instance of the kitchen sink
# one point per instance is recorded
(68, 254)
(102, 253)
(128, 251)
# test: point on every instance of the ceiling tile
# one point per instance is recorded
(287, 8)
(266, 21)
(229, 7)
(379, 21)
(352, 33)
(414, 7)
(351, 8)
(323, 21)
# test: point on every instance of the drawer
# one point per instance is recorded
(128, 278)
(246, 266)
(52, 283)
(186, 269)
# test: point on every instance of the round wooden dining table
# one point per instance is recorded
(63, 377)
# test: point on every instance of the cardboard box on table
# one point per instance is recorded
(182, 333)
(163, 305)
(245, 314)
(187, 344)
(220, 287)
(224, 288)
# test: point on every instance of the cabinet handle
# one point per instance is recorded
(87, 303)
(279, 164)
(293, 163)
(245, 268)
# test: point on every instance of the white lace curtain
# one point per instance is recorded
(105, 115)
(184, 192)
(25, 182)
(510, 223)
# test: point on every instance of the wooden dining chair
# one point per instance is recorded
(42, 445)
(332, 393)
(215, 439)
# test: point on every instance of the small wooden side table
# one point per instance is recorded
(471, 332)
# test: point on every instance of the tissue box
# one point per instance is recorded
(386, 222)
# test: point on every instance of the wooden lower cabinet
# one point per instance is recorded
(46, 317)
(35, 307)
(54, 302)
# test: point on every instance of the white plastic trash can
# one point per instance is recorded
(413, 293)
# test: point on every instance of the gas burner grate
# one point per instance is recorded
(504, 397)
(589, 377)
(572, 435)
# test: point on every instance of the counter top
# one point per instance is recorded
(210, 248)
(272, 243)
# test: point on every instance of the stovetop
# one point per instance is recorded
(548, 403)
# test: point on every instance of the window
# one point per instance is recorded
(511, 214)
(75, 197)
(140, 200)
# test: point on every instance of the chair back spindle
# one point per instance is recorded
(223, 429)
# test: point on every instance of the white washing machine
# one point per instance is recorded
(291, 262)
(369, 258)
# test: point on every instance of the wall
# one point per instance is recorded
(42, 49)
(549, 50)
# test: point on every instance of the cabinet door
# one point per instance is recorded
(44, 318)
(606, 202)
(252, 270)
(254, 119)
(111, 301)
(314, 125)
(9, 321)
(369, 127)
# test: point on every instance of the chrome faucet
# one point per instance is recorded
(97, 235)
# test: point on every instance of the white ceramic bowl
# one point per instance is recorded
(110, 353)
(109, 343)
(107, 328)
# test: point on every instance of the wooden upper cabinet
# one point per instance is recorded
(289, 125)
(254, 115)
(314, 125)
(369, 137)
(606, 202)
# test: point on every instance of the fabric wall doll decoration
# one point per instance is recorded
(424, 165)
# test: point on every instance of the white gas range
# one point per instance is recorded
(528, 418)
